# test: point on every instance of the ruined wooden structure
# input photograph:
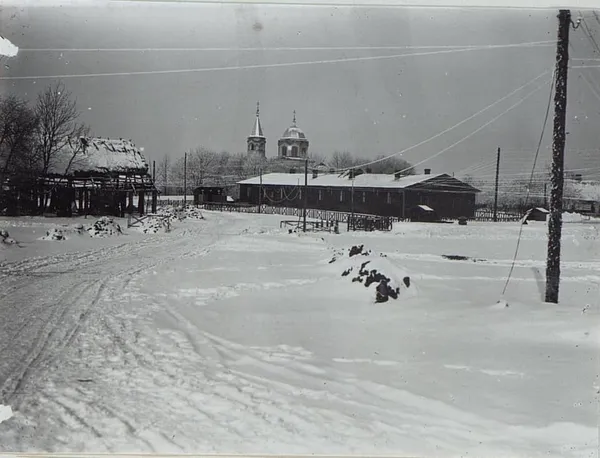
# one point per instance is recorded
(93, 176)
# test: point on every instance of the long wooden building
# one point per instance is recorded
(368, 193)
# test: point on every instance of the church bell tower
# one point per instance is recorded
(257, 142)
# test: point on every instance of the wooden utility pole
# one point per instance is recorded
(496, 189)
(185, 179)
(154, 190)
(558, 153)
(305, 194)
(260, 190)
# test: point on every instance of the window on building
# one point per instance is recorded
(281, 193)
(294, 151)
(251, 146)
(364, 197)
(320, 195)
(341, 196)
(300, 194)
(283, 150)
(389, 197)
(248, 192)
(303, 152)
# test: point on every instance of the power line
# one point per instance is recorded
(530, 182)
(256, 66)
(283, 48)
(466, 137)
(439, 134)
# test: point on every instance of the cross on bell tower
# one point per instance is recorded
(257, 142)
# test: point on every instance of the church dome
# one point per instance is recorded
(293, 132)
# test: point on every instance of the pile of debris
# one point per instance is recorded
(153, 225)
(104, 227)
(180, 213)
(5, 239)
(192, 212)
(365, 268)
(54, 234)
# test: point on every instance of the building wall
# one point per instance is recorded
(376, 201)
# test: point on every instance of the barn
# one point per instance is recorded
(369, 193)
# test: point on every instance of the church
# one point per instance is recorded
(360, 192)
(292, 144)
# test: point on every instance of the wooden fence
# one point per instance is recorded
(321, 215)
(379, 222)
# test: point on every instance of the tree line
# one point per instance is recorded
(520, 194)
(210, 168)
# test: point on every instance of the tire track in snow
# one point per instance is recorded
(110, 288)
(48, 342)
(67, 302)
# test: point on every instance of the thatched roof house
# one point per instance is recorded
(99, 157)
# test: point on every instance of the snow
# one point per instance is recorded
(365, 180)
(5, 413)
(7, 48)
(101, 155)
(425, 207)
(230, 335)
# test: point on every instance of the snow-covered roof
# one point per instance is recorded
(101, 155)
(7, 48)
(426, 208)
(365, 180)
(540, 209)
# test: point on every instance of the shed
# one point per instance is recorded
(423, 213)
(537, 214)
(204, 194)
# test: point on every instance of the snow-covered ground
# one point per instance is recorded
(229, 335)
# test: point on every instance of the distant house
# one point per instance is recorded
(209, 194)
(423, 213)
(368, 193)
(537, 214)
(90, 176)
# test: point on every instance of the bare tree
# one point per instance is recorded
(164, 167)
(341, 160)
(57, 116)
(391, 165)
(17, 128)
(201, 164)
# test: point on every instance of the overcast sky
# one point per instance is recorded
(368, 107)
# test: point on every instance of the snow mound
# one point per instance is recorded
(7, 48)
(5, 413)
(77, 228)
(374, 271)
(569, 217)
(104, 227)
(54, 234)
(5, 239)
